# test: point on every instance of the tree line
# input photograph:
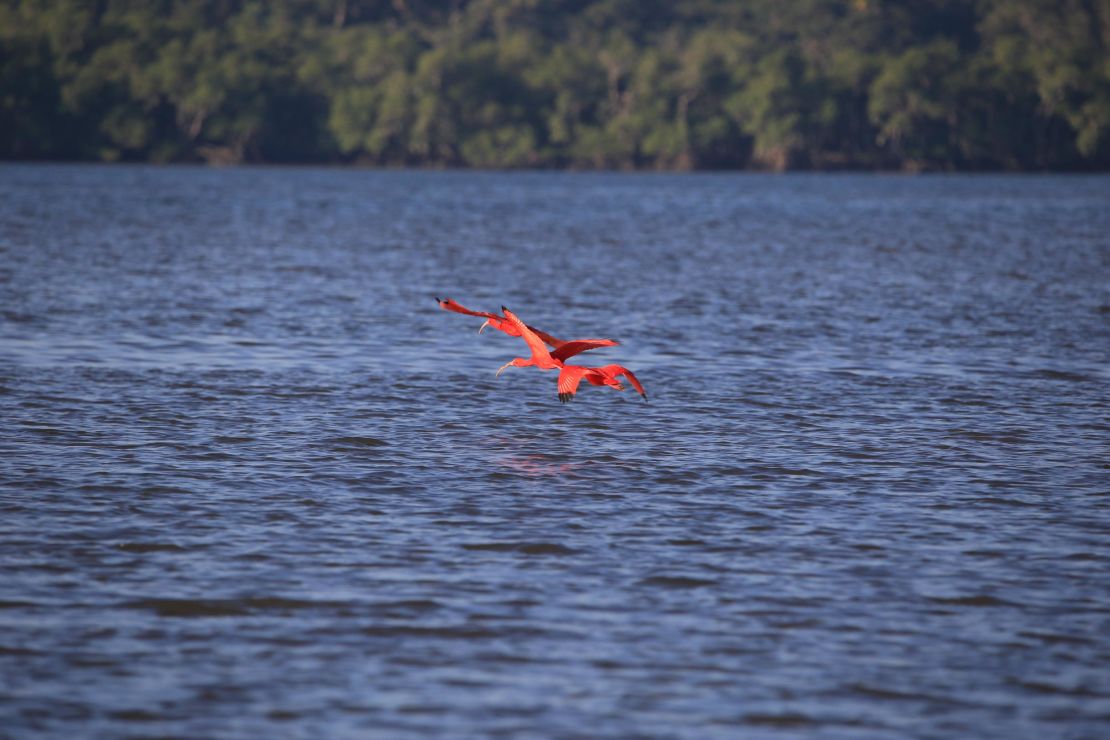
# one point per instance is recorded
(667, 84)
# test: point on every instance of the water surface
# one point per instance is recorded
(254, 483)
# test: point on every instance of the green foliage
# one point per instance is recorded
(912, 101)
(675, 84)
(1061, 49)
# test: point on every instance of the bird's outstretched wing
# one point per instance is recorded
(549, 340)
(498, 322)
(615, 371)
(566, 350)
(453, 305)
(569, 378)
(539, 350)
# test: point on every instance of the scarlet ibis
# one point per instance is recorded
(541, 358)
(571, 375)
(562, 348)
(491, 319)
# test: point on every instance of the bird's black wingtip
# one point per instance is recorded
(503, 309)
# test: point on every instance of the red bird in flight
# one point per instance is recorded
(569, 375)
(562, 348)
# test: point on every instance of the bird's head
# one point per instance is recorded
(518, 362)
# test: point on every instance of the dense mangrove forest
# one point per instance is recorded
(644, 84)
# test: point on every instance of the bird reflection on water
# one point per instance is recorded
(535, 466)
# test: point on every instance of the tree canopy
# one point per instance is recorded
(668, 84)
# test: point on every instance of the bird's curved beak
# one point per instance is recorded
(483, 326)
(502, 369)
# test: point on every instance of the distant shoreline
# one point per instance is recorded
(352, 167)
(594, 85)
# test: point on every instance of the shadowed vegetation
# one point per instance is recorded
(682, 84)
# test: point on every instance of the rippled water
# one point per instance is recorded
(256, 484)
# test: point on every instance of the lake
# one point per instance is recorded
(255, 483)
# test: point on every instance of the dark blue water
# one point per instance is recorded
(254, 483)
